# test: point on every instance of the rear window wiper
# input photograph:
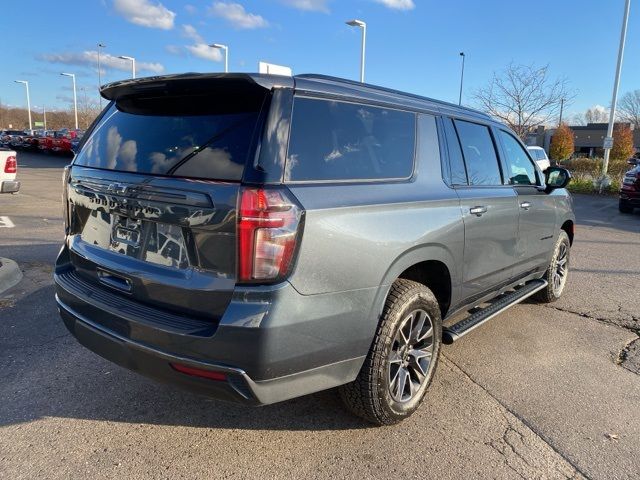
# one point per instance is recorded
(208, 142)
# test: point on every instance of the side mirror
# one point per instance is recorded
(556, 177)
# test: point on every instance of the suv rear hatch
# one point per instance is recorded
(152, 194)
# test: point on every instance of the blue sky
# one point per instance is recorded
(412, 45)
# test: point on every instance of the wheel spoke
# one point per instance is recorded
(395, 358)
(403, 375)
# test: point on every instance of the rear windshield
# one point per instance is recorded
(170, 137)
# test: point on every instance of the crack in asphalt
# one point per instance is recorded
(623, 358)
(504, 445)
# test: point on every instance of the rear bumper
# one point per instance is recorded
(630, 197)
(238, 386)
(9, 186)
(272, 343)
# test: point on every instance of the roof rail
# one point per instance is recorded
(329, 78)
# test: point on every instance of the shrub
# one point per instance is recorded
(561, 143)
(622, 143)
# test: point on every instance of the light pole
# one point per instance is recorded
(614, 99)
(133, 64)
(363, 26)
(44, 116)
(226, 54)
(100, 45)
(75, 98)
(26, 84)
(461, 79)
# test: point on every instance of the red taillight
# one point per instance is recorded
(11, 165)
(268, 223)
(199, 372)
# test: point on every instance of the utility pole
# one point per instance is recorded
(561, 108)
(604, 179)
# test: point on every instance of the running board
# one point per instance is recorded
(499, 305)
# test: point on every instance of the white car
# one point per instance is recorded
(8, 171)
(540, 157)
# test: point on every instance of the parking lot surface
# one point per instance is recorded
(538, 392)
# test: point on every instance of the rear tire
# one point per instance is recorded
(558, 271)
(403, 357)
(624, 207)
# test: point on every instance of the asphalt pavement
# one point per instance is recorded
(538, 392)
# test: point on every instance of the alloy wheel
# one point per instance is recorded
(411, 356)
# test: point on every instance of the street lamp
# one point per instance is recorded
(363, 26)
(133, 64)
(26, 84)
(75, 98)
(461, 79)
(614, 99)
(100, 45)
(226, 54)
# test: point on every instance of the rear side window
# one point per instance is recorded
(178, 143)
(332, 140)
(479, 153)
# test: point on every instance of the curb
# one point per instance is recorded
(10, 274)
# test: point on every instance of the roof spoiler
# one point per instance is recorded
(191, 83)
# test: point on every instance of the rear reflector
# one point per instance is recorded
(199, 372)
(11, 165)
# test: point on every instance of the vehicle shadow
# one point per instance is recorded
(51, 375)
(602, 211)
(28, 160)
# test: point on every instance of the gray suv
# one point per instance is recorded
(259, 238)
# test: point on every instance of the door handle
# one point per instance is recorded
(526, 205)
(478, 210)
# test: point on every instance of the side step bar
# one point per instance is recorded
(454, 332)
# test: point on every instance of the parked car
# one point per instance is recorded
(630, 188)
(12, 138)
(31, 141)
(261, 237)
(540, 157)
(56, 142)
(8, 171)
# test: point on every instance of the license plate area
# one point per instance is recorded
(154, 242)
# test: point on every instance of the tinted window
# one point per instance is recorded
(201, 146)
(521, 167)
(332, 140)
(456, 162)
(479, 154)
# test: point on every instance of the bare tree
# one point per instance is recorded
(629, 108)
(595, 114)
(523, 97)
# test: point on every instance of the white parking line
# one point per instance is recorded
(5, 222)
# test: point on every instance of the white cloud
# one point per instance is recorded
(145, 13)
(191, 10)
(237, 16)
(398, 4)
(190, 31)
(173, 49)
(311, 5)
(199, 48)
(202, 50)
(89, 58)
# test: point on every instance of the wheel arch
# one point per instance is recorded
(432, 265)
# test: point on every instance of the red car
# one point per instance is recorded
(58, 142)
(630, 189)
